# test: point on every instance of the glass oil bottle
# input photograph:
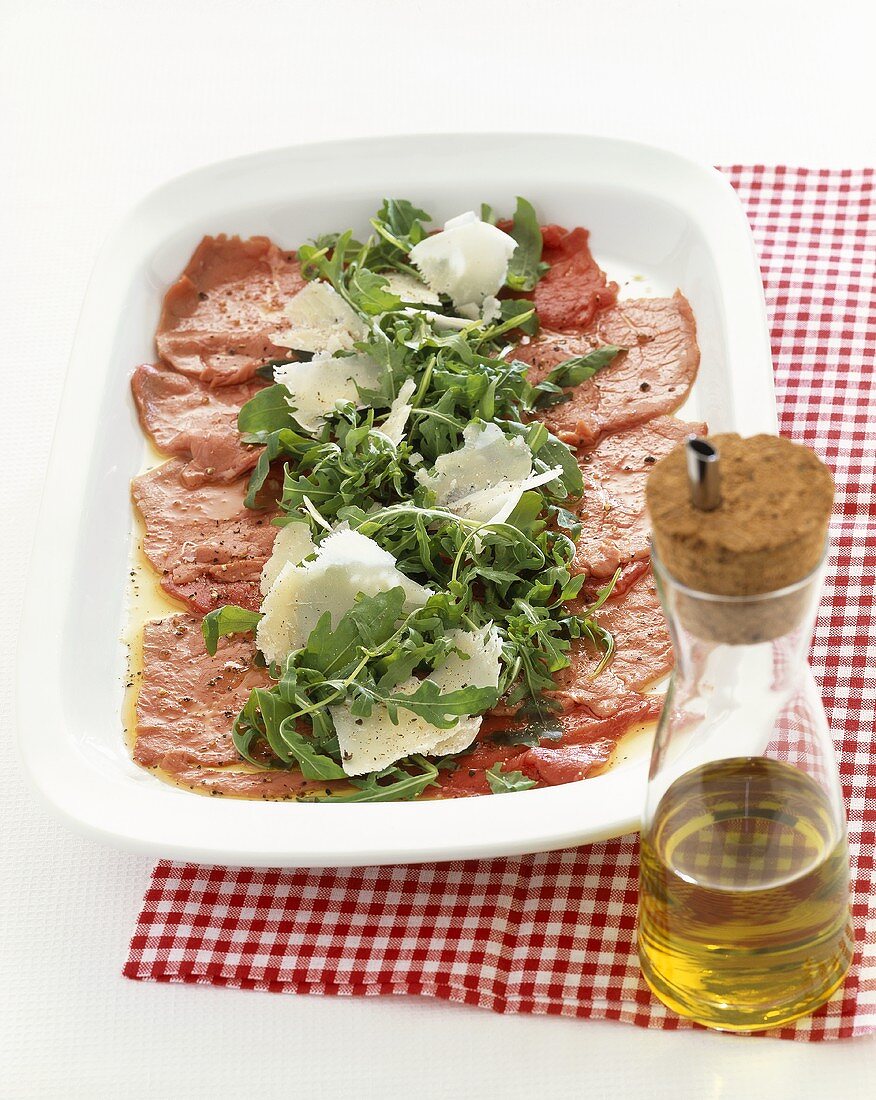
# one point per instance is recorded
(744, 883)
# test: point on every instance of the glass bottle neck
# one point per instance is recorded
(768, 633)
(742, 686)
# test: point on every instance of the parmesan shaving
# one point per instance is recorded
(410, 289)
(292, 544)
(346, 564)
(484, 480)
(369, 744)
(317, 387)
(393, 427)
(320, 320)
(468, 261)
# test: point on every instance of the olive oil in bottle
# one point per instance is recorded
(744, 895)
(744, 918)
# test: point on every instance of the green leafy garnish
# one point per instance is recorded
(371, 293)
(396, 784)
(512, 578)
(525, 267)
(532, 734)
(401, 223)
(227, 620)
(267, 411)
(572, 372)
(502, 782)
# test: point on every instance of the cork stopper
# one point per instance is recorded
(767, 531)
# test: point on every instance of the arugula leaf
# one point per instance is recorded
(268, 713)
(442, 709)
(581, 367)
(362, 464)
(525, 267)
(327, 258)
(550, 452)
(286, 441)
(266, 411)
(369, 623)
(313, 765)
(488, 214)
(267, 717)
(530, 735)
(391, 785)
(247, 732)
(556, 453)
(572, 372)
(227, 620)
(604, 592)
(520, 311)
(403, 218)
(505, 782)
(371, 293)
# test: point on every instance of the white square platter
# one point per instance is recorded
(652, 215)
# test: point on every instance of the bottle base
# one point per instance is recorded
(723, 1016)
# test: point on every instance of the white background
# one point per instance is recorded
(100, 102)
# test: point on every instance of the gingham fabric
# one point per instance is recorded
(554, 933)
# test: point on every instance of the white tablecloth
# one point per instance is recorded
(102, 100)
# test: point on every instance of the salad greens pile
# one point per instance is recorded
(514, 574)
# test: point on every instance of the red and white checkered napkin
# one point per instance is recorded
(554, 933)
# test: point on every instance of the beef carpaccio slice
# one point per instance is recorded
(195, 422)
(578, 743)
(186, 706)
(208, 548)
(574, 289)
(267, 784)
(614, 525)
(651, 378)
(189, 699)
(218, 317)
(643, 654)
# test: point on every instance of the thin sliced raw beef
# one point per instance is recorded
(186, 706)
(643, 654)
(188, 419)
(629, 574)
(208, 548)
(588, 742)
(575, 289)
(189, 699)
(470, 776)
(268, 784)
(614, 525)
(566, 765)
(652, 378)
(216, 323)
(577, 744)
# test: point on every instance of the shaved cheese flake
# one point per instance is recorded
(410, 289)
(320, 320)
(396, 420)
(315, 514)
(467, 261)
(346, 564)
(486, 477)
(292, 544)
(492, 310)
(317, 387)
(369, 744)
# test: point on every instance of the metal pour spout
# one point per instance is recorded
(703, 474)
